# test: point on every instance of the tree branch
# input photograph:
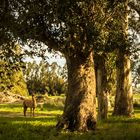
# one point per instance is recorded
(51, 43)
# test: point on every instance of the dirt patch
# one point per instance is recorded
(11, 114)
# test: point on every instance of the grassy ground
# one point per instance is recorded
(13, 126)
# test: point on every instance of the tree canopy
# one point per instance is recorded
(66, 25)
(61, 25)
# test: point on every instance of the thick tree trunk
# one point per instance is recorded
(80, 106)
(102, 92)
(124, 96)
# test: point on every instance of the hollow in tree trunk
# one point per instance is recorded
(80, 106)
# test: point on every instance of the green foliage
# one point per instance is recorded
(66, 26)
(19, 86)
(44, 78)
(136, 70)
(136, 100)
(11, 78)
(111, 72)
(69, 27)
(5, 36)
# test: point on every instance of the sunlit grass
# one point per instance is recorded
(26, 128)
(14, 126)
(48, 109)
(136, 96)
(10, 107)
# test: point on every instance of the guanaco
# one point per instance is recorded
(31, 104)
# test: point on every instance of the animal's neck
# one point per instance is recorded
(34, 100)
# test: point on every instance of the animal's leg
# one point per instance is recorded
(25, 109)
(33, 111)
(30, 111)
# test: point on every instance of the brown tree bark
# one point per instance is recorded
(124, 96)
(102, 92)
(80, 106)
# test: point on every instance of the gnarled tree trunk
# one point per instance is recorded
(80, 106)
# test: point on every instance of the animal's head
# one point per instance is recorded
(33, 95)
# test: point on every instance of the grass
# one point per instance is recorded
(137, 96)
(13, 126)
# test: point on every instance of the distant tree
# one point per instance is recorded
(117, 41)
(44, 78)
(105, 81)
(124, 96)
(12, 79)
(102, 91)
(136, 71)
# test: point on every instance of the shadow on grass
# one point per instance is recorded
(51, 107)
(137, 109)
(4, 114)
(44, 129)
(27, 128)
(123, 120)
(10, 105)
